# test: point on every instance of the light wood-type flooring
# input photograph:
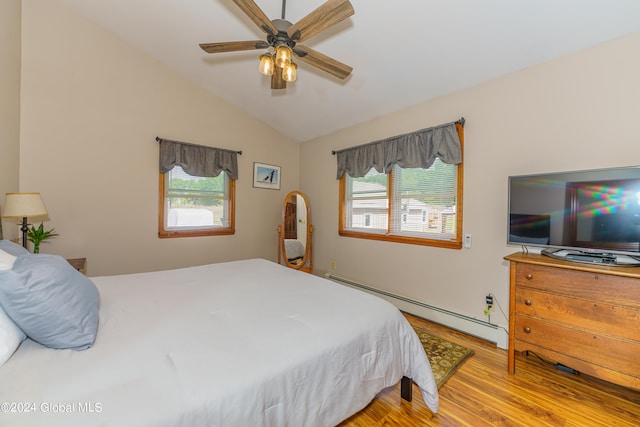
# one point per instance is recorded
(482, 393)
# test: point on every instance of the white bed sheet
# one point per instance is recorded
(243, 343)
(293, 249)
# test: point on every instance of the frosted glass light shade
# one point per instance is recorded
(283, 55)
(289, 72)
(20, 205)
(266, 64)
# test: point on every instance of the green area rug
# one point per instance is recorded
(445, 357)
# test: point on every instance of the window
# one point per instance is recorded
(396, 205)
(417, 196)
(197, 189)
(195, 205)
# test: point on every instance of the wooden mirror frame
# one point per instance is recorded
(306, 263)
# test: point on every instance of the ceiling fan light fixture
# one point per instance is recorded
(283, 55)
(289, 72)
(267, 64)
(282, 38)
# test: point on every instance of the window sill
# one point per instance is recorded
(195, 233)
(449, 244)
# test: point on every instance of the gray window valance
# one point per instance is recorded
(417, 149)
(197, 160)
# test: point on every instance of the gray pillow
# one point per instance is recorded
(12, 248)
(52, 302)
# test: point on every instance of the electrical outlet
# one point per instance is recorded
(489, 299)
(333, 265)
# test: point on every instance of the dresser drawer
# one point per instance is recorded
(603, 288)
(601, 318)
(594, 348)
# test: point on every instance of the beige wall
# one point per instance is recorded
(577, 112)
(92, 106)
(91, 109)
(9, 104)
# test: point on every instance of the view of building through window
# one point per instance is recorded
(194, 202)
(416, 202)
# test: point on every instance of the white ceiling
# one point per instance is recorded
(403, 52)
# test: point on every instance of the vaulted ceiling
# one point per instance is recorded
(403, 52)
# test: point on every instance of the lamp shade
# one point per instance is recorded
(289, 72)
(266, 64)
(283, 55)
(20, 205)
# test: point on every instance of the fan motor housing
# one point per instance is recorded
(282, 25)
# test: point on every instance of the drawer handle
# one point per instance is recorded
(527, 302)
(527, 330)
(529, 276)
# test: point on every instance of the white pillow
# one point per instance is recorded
(6, 260)
(10, 337)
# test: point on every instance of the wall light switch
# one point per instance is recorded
(467, 240)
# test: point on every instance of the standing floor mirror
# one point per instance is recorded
(295, 233)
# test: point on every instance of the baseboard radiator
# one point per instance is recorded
(472, 326)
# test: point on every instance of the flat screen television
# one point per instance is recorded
(586, 216)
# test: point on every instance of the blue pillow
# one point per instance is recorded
(52, 302)
(12, 248)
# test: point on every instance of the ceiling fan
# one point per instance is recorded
(284, 38)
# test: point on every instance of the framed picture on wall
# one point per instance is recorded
(266, 176)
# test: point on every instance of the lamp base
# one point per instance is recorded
(25, 230)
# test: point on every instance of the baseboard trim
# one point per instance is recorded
(488, 331)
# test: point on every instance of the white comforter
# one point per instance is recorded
(244, 343)
(293, 249)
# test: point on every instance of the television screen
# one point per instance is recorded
(592, 211)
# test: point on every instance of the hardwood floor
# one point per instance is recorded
(481, 393)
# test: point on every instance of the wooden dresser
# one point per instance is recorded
(583, 316)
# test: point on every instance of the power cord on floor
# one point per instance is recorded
(558, 366)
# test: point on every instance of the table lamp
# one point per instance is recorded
(23, 205)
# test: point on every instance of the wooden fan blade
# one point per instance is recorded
(323, 62)
(251, 9)
(233, 46)
(325, 16)
(276, 79)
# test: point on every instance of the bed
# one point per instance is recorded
(242, 343)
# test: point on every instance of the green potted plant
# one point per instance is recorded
(39, 235)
